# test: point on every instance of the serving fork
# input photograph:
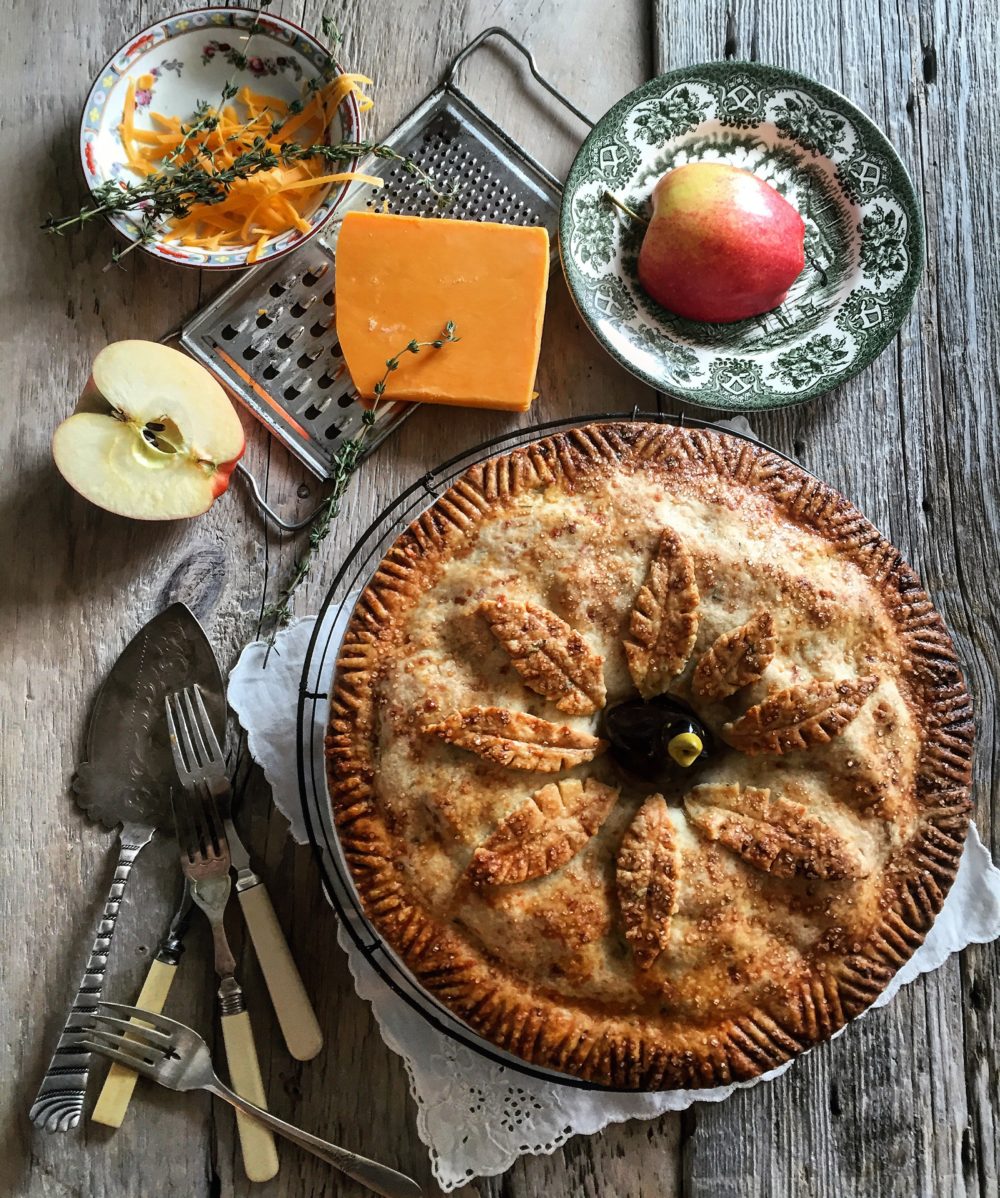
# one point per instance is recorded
(205, 768)
(205, 861)
(177, 1057)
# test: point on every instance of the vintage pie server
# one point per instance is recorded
(126, 781)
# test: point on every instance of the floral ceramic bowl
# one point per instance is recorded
(189, 58)
(864, 236)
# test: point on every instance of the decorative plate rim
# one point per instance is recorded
(900, 185)
(221, 17)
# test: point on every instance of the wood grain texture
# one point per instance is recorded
(903, 1103)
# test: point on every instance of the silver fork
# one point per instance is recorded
(206, 767)
(177, 1057)
(204, 854)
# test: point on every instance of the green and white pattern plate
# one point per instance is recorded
(864, 234)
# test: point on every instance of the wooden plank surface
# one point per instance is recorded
(904, 1102)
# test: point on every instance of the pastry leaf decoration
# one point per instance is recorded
(773, 835)
(735, 659)
(664, 619)
(544, 833)
(516, 739)
(799, 717)
(646, 880)
(553, 659)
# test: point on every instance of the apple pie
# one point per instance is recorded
(649, 755)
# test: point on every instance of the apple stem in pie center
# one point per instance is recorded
(651, 737)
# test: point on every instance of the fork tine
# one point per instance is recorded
(137, 1064)
(163, 1022)
(180, 762)
(187, 837)
(185, 733)
(210, 810)
(128, 1048)
(146, 1036)
(205, 724)
(202, 836)
(208, 844)
(194, 728)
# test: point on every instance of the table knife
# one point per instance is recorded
(296, 1017)
(116, 1093)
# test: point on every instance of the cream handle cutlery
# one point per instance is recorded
(295, 1014)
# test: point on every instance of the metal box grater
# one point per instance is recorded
(271, 336)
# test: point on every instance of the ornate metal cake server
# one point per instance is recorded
(126, 780)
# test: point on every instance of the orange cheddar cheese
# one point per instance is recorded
(402, 278)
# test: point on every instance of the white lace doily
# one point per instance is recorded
(476, 1117)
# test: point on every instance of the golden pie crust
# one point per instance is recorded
(711, 926)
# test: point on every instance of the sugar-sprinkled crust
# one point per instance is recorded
(788, 913)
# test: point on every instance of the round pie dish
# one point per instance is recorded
(864, 234)
(188, 59)
(707, 922)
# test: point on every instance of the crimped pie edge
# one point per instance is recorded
(617, 1051)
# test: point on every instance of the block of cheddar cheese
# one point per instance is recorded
(402, 278)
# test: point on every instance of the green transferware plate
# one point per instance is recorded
(864, 234)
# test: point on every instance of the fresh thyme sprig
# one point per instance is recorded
(173, 193)
(345, 462)
(207, 117)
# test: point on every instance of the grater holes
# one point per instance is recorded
(271, 371)
(307, 359)
(291, 392)
(313, 276)
(325, 380)
(228, 333)
(345, 401)
(250, 352)
(335, 350)
(332, 433)
(264, 321)
(286, 339)
(277, 289)
(311, 412)
(318, 329)
(328, 298)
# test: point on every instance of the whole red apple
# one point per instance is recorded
(722, 244)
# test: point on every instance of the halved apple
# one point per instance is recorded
(154, 436)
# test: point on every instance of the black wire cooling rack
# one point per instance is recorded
(314, 691)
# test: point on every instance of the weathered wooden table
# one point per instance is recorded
(905, 1102)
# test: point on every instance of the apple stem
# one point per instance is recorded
(609, 195)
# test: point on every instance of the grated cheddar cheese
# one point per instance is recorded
(263, 205)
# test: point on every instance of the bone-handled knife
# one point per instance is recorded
(296, 1017)
(116, 1093)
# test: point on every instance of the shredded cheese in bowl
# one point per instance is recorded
(265, 204)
